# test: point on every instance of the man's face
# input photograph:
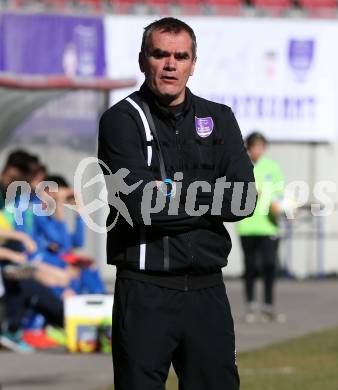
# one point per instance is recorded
(10, 175)
(37, 179)
(168, 65)
(257, 150)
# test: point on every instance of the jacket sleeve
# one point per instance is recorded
(53, 231)
(120, 146)
(78, 235)
(233, 195)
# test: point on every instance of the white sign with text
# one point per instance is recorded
(278, 76)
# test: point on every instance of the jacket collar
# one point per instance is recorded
(159, 108)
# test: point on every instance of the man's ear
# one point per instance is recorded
(193, 66)
(141, 61)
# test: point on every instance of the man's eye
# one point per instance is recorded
(182, 57)
(158, 54)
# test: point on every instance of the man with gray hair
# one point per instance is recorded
(170, 301)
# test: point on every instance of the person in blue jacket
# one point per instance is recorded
(54, 239)
(27, 294)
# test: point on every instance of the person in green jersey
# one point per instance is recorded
(259, 234)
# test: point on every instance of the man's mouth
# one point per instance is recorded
(169, 78)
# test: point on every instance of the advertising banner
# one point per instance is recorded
(43, 44)
(1, 44)
(278, 76)
(52, 44)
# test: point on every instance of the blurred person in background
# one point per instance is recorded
(20, 236)
(18, 265)
(8, 255)
(56, 242)
(20, 166)
(259, 234)
(17, 168)
(39, 175)
(25, 294)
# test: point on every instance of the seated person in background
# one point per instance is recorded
(6, 233)
(55, 240)
(17, 246)
(39, 175)
(48, 275)
(51, 233)
(18, 166)
(25, 295)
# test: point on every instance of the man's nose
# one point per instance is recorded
(170, 63)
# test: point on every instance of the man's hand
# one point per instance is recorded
(24, 238)
(65, 195)
(15, 257)
(29, 243)
(275, 209)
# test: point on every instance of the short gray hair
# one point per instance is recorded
(171, 25)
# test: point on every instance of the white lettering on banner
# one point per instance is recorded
(272, 107)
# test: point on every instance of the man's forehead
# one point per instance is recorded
(14, 170)
(177, 41)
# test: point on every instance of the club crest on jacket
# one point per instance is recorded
(204, 126)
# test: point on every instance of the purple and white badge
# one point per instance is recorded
(301, 53)
(204, 126)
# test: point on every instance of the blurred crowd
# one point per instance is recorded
(209, 7)
(39, 265)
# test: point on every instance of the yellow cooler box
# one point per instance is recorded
(88, 320)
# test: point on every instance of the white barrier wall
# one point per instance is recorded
(278, 76)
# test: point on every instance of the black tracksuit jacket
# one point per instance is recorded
(197, 244)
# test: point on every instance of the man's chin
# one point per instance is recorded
(166, 94)
(166, 97)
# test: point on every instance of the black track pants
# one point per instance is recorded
(154, 326)
(29, 294)
(262, 248)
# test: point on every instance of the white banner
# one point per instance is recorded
(278, 76)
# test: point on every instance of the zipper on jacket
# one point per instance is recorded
(178, 146)
(177, 132)
(190, 249)
(186, 287)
